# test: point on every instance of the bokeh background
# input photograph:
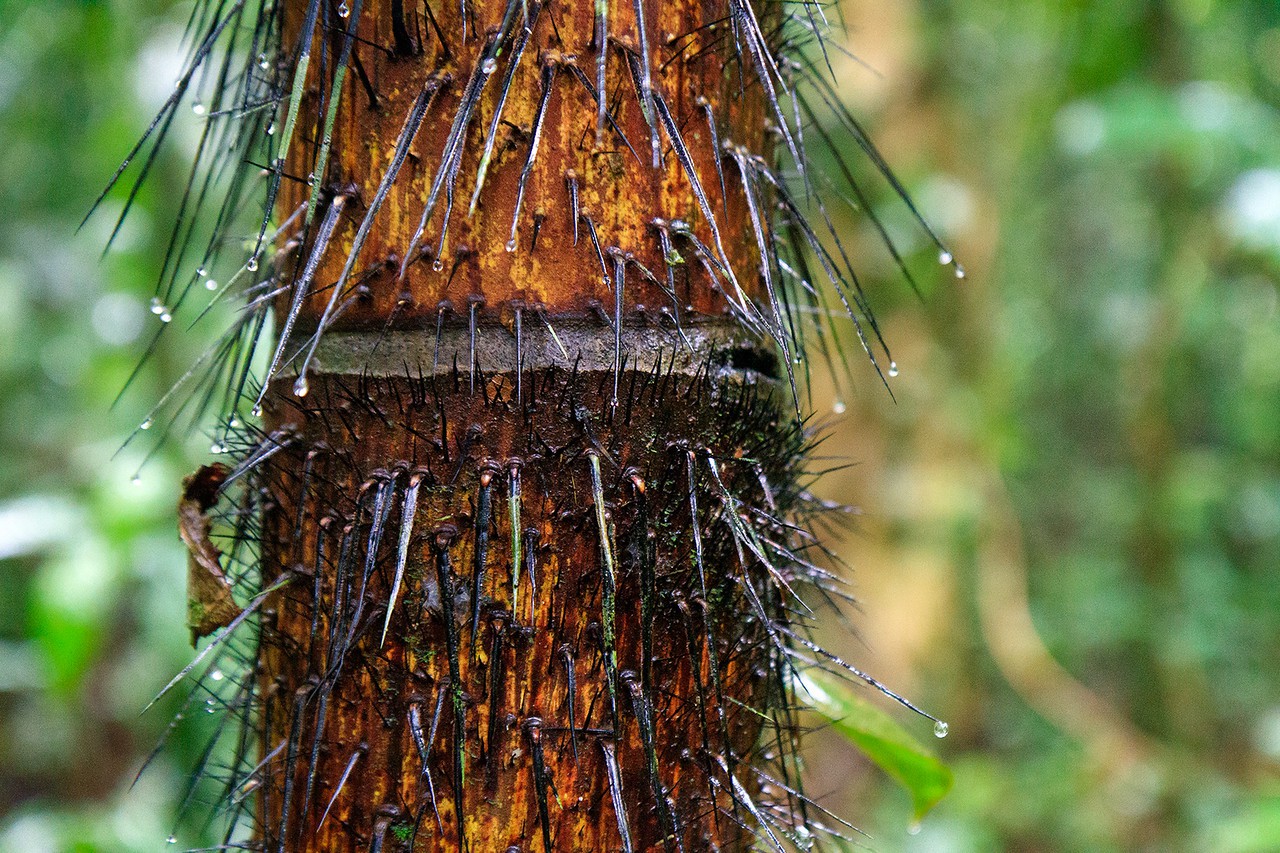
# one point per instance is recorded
(1069, 533)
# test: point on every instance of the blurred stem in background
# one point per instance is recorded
(1071, 514)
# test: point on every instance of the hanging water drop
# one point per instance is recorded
(945, 257)
(838, 407)
(271, 131)
(234, 423)
(262, 62)
(940, 729)
(252, 265)
(146, 424)
(215, 448)
(343, 10)
(893, 368)
(216, 675)
(489, 66)
(256, 411)
(166, 317)
(960, 273)
(171, 840)
(301, 387)
(210, 285)
(157, 307)
(913, 828)
(511, 244)
(437, 265)
(201, 272)
(198, 108)
(137, 480)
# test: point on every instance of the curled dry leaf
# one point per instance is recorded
(210, 604)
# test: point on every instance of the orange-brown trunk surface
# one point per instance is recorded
(516, 758)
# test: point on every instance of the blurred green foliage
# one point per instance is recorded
(1101, 400)
(91, 569)
(1103, 391)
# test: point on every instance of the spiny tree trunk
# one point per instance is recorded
(510, 639)
(519, 544)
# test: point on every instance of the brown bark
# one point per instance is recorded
(621, 194)
(462, 411)
(529, 641)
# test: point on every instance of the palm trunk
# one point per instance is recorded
(507, 495)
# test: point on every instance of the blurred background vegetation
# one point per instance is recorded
(1070, 517)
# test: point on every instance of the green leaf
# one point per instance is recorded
(910, 763)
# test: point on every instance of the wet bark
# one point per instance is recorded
(512, 618)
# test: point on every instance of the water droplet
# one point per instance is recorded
(215, 448)
(146, 424)
(171, 840)
(252, 265)
(201, 272)
(137, 480)
(489, 66)
(271, 131)
(311, 179)
(913, 828)
(262, 62)
(198, 108)
(301, 387)
(344, 10)
(608, 282)
(838, 407)
(166, 317)
(511, 245)
(216, 675)
(893, 368)
(437, 265)
(156, 306)
(940, 729)
(210, 285)
(256, 411)
(234, 423)
(945, 257)
(960, 273)
(804, 838)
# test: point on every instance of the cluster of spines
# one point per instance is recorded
(246, 83)
(797, 246)
(739, 495)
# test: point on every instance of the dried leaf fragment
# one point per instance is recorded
(210, 604)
